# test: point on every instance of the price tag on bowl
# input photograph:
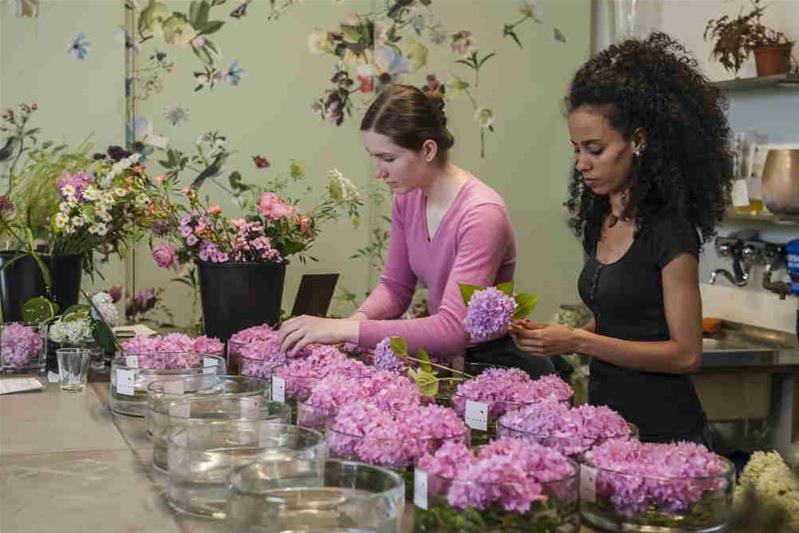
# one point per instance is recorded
(420, 488)
(210, 365)
(125, 380)
(476, 415)
(132, 361)
(587, 483)
(278, 389)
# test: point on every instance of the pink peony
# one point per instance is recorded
(165, 256)
(19, 345)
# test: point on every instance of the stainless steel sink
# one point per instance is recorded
(739, 345)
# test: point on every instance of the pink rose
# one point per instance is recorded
(214, 209)
(273, 207)
(165, 256)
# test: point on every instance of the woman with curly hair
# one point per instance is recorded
(651, 178)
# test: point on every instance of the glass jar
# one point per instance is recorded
(482, 415)
(132, 374)
(201, 458)
(276, 495)
(569, 445)
(443, 506)
(619, 501)
(23, 348)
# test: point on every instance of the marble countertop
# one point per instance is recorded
(67, 465)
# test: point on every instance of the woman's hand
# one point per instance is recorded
(543, 339)
(296, 333)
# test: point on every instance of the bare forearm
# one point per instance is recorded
(358, 316)
(654, 356)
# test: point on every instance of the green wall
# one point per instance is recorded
(527, 158)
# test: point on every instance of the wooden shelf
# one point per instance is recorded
(767, 218)
(778, 82)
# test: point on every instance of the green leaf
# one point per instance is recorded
(525, 303)
(39, 310)
(213, 48)
(194, 11)
(81, 310)
(486, 58)
(235, 182)
(468, 63)
(468, 290)
(398, 346)
(211, 27)
(425, 381)
(103, 336)
(422, 355)
(12, 261)
(202, 16)
(42, 267)
(559, 36)
(506, 288)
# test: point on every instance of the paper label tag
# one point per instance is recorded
(125, 379)
(181, 409)
(420, 488)
(8, 386)
(52, 377)
(132, 361)
(476, 415)
(740, 193)
(174, 387)
(587, 483)
(210, 365)
(278, 389)
(250, 406)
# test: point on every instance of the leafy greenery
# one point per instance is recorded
(544, 517)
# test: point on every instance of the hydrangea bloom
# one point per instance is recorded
(386, 359)
(489, 314)
(301, 375)
(105, 305)
(385, 390)
(570, 431)
(76, 332)
(174, 350)
(397, 439)
(508, 472)
(636, 477)
(505, 389)
(19, 344)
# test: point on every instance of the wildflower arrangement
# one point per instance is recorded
(571, 431)
(21, 345)
(171, 351)
(773, 484)
(490, 310)
(663, 484)
(85, 324)
(509, 485)
(393, 439)
(270, 228)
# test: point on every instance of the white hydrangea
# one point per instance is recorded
(105, 304)
(71, 331)
(340, 188)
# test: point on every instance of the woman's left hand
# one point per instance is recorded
(296, 333)
(543, 339)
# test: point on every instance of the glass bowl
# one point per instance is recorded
(23, 348)
(201, 458)
(132, 374)
(619, 501)
(275, 495)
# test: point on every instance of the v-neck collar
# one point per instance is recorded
(446, 213)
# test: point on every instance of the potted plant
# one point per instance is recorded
(735, 38)
(241, 261)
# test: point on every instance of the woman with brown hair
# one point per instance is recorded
(447, 227)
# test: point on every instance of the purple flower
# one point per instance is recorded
(19, 344)
(175, 350)
(165, 256)
(386, 359)
(6, 205)
(78, 182)
(489, 314)
(208, 345)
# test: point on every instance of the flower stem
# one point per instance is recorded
(409, 358)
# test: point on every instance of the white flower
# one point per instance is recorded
(64, 207)
(98, 229)
(319, 42)
(119, 191)
(485, 117)
(71, 331)
(77, 221)
(68, 190)
(104, 303)
(72, 201)
(60, 220)
(142, 199)
(91, 193)
(534, 9)
(340, 188)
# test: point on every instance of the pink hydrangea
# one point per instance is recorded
(208, 345)
(20, 344)
(386, 359)
(570, 431)
(255, 333)
(489, 314)
(367, 433)
(635, 476)
(507, 472)
(174, 350)
(300, 375)
(506, 389)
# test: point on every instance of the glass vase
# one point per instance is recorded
(23, 348)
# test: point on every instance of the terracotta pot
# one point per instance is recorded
(773, 59)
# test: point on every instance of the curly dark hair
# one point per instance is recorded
(686, 168)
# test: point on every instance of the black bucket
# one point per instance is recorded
(23, 280)
(239, 295)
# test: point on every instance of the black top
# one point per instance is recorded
(626, 298)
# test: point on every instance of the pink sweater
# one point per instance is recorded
(473, 244)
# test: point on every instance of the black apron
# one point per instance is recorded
(503, 353)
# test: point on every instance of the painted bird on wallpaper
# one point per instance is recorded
(8, 149)
(211, 170)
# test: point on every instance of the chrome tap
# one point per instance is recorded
(742, 259)
(774, 257)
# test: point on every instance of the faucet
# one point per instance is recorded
(740, 254)
(774, 259)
